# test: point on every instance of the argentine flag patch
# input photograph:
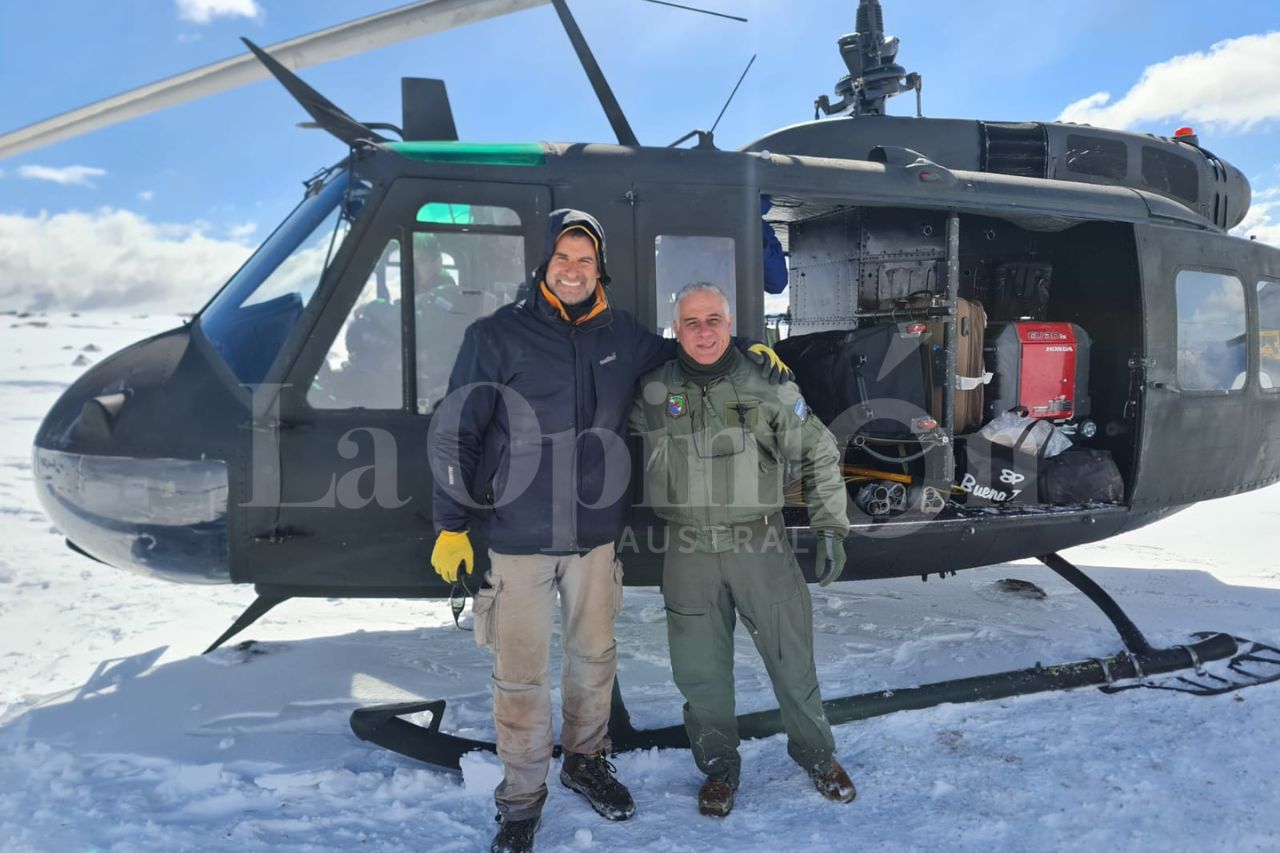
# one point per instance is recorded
(802, 410)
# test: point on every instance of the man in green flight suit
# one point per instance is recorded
(718, 441)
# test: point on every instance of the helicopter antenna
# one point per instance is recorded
(750, 62)
(326, 113)
(617, 119)
(696, 9)
(707, 138)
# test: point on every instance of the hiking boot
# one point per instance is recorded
(592, 777)
(715, 798)
(833, 782)
(515, 836)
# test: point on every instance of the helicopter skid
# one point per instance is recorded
(1257, 664)
(1243, 664)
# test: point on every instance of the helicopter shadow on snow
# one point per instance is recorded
(287, 703)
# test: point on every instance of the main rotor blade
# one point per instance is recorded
(612, 109)
(368, 33)
(327, 114)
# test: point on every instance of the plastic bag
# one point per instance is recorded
(1016, 429)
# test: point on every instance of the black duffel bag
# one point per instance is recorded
(868, 381)
(992, 473)
(1080, 475)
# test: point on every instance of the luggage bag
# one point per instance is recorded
(868, 381)
(1017, 290)
(970, 334)
(993, 473)
(1081, 475)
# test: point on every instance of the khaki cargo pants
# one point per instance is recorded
(759, 580)
(514, 617)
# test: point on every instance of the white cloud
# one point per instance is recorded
(66, 175)
(1232, 86)
(204, 11)
(146, 195)
(242, 232)
(1263, 220)
(110, 259)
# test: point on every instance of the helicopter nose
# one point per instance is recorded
(163, 517)
(130, 463)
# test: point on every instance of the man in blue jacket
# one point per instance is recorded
(538, 398)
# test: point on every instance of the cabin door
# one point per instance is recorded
(686, 233)
(351, 510)
(1205, 416)
(689, 232)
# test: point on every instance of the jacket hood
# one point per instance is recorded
(563, 220)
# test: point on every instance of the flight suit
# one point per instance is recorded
(716, 455)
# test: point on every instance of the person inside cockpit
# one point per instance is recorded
(442, 317)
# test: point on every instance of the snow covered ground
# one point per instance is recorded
(116, 734)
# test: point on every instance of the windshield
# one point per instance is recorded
(254, 314)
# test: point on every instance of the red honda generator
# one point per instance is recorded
(1040, 367)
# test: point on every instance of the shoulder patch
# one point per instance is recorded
(801, 409)
(677, 405)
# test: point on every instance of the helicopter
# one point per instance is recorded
(317, 370)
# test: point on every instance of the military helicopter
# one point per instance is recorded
(277, 439)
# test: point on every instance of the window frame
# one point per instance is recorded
(418, 227)
(354, 307)
(658, 291)
(395, 218)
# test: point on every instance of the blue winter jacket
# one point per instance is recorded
(541, 439)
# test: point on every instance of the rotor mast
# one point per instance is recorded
(873, 76)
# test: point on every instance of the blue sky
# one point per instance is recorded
(190, 190)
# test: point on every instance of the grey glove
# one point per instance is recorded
(831, 557)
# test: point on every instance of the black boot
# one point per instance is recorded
(515, 836)
(592, 777)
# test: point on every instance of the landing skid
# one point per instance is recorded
(1256, 664)
(251, 614)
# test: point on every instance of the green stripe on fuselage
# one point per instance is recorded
(490, 154)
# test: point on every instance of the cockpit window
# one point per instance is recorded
(468, 260)
(363, 366)
(254, 314)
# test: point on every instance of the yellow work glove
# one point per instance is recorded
(774, 368)
(452, 549)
